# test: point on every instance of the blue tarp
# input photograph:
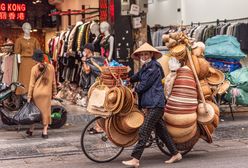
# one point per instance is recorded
(223, 47)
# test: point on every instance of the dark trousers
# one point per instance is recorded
(153, 121)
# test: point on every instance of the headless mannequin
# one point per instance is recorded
(24, 48)
(95, 29)
(109, 39)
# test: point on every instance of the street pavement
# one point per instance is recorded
(63, 148)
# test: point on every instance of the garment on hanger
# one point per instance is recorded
(238, 30)
(97, 43)
(156, 35)
(105, 46)
(66, 49)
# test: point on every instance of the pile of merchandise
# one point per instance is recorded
(190, 111)
(111, 75)
(238, 92)
(224, 53)
(71, 93)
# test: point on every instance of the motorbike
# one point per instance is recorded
(11, 103)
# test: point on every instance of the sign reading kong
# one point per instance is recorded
(12, 11)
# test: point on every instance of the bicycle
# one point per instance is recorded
(98, 148)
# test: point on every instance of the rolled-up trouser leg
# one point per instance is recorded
(163, 134)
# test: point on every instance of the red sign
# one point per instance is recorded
(12, 11)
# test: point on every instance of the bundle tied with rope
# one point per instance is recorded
(112, 76)
(198, 82)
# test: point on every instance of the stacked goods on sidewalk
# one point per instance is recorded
(116, 104)
(190, 112)
(225, 54)
(238, 92)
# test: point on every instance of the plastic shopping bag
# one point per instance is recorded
(29, 114)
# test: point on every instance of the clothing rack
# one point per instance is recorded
(69, 13)
(157, 27)
(218, 21)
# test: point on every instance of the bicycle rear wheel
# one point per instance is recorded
(96, 146)
(163, 149)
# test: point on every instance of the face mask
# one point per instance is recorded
(145, 62)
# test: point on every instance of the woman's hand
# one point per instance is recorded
(29, 100)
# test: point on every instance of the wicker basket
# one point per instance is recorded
(189, 144)
(112, 76)
(115, 70)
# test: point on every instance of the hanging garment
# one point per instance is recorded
(105, 46)
(72, 36)
(80, 36)
(84, 38)
(242, 35)
(8, 69)
(96, 43)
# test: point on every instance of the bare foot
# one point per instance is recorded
(174, 158)
(133, 163)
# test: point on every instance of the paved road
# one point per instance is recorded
(225, 154)
(63, 150)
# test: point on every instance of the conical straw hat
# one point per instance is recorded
(217, 77)
(203, 116)
(118, 138)
(224, 87)
(146, 47)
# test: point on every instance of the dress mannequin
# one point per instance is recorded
(95, 29)
(24, 48)
(107, 42)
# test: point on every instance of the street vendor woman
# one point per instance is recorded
(151, 97)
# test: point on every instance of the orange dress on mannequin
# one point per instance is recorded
(25, 47)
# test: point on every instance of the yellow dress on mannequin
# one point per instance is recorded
(25, 47)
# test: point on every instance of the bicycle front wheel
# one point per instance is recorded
(96, 145)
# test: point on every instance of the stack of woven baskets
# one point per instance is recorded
(184, 113)
(111, 76)
(122, 130)
(122, 117)
(122, 126)
(180, 110)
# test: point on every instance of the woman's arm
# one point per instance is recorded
(135, 78)
(31, 84)
(86, 68)
(149, 79)
(54, 87)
